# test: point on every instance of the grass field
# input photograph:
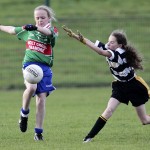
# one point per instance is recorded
(70, 115)
(71, 112)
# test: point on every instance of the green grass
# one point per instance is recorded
(70, 114)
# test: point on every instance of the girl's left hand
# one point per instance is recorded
(30, 27)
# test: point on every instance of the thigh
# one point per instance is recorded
(113, 103)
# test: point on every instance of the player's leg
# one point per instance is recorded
(45, 87)
(101, 121)
(40, 113)
(141, 112)
(28, 93)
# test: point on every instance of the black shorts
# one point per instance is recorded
(133, 91)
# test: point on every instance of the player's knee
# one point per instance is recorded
(40, 103)
(32, 89)
(109, 112)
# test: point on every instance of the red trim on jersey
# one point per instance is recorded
(55, 30)
(39, 47)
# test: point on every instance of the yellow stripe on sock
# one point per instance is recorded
(103, 118)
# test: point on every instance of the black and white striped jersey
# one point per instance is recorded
(118, 65)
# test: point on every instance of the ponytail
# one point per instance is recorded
(133, 58)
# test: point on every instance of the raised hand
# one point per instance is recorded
(29, 27)
(77, 36)
(68, 31)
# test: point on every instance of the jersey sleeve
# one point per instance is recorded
(100, 45)
(18, 29)
(21, 33)
(104, 47)
(54, 31)
(112, 54)
(117, 54)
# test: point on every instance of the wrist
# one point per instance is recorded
(83, 41)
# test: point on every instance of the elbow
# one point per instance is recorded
(48, 34)
(12, 31)
(99, 52)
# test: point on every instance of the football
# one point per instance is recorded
(33, 74)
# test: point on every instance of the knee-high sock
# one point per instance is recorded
(99, 124)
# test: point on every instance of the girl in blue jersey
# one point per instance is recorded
(40, 40)
(123, 60)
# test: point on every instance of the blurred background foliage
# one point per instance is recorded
(75, 65)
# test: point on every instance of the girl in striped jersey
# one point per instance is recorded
(123, 60)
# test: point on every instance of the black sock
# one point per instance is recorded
(99, 124)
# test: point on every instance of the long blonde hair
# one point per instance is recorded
(50, 12)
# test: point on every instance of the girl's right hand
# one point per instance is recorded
(77, 36)
(69, 31)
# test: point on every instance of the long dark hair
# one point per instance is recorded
(132, 56)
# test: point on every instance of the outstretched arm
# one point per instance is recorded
(87, 42)
(7, 29)
(28, 27)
